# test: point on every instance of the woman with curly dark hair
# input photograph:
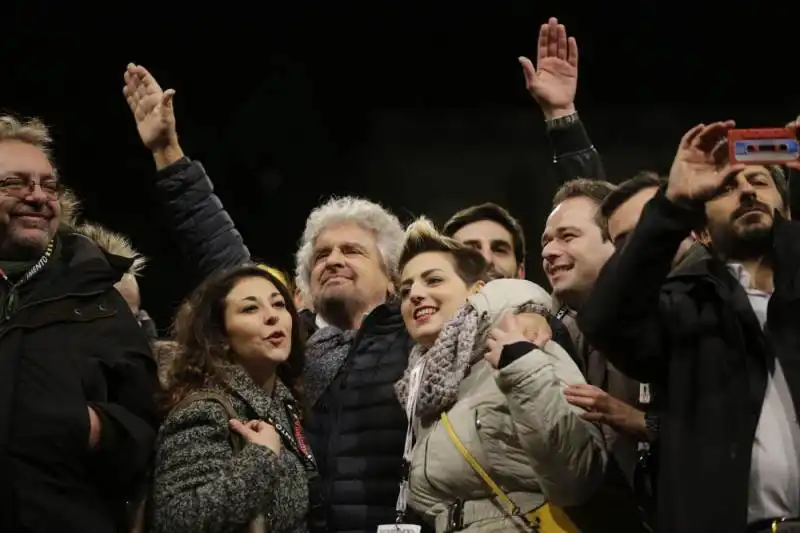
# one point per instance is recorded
(231, 455)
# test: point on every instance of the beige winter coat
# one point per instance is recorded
(518, 426)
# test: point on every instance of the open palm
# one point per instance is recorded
(700, 168)
(151, 107)
(553, 81)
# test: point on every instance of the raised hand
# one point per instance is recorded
(701, 169)
(554, 79)
(151, 107)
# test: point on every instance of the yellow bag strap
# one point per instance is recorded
(511, 507)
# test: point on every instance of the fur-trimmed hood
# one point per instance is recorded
(109, 241)
(70, 208)
(113, 243)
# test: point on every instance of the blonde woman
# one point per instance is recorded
(502, 397)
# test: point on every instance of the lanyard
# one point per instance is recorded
(295, 440)
(414, 381)
(562, 312)
(10, 302)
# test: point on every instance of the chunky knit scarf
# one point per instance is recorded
(446, 364)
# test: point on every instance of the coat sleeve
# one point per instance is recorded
(624, 316)
(567, 453)
(126, 408)
(574, 155)
(204, 230)
(199, 484)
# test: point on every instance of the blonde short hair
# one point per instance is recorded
(31, 131)
(422, 236)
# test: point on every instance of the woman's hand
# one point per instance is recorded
(258, 432)
(509, 330)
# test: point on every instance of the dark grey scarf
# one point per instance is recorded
(326, 352)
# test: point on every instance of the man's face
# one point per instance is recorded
(29, 209)
(347, 269)
(573, 249)
(740, 219)
(624, 219)
(496, 244)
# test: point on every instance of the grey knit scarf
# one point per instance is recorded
(446, 364)
(326, 352)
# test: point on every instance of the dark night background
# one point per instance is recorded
(420, 106)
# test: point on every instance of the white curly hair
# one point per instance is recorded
(388, 231)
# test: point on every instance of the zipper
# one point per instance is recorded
(333, 441)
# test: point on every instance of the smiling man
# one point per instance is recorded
(575, 244)
(77, 380)
(575, 247)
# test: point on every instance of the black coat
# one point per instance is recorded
(73, 343)
(694, 335)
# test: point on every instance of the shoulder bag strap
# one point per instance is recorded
(540, 519)
(258, 524)
(237, 441)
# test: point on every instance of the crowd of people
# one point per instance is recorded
(408, 379)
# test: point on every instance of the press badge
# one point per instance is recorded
(399, 528)
(644, 393)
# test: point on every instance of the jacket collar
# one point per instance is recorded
(264, 405)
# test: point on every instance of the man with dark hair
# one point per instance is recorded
(596, 190)
(575, 244)
(496, 234)
(575, 247)
(623, 207)
(720, 338)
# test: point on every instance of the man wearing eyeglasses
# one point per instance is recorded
(77, 417)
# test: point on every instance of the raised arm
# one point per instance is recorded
(205, 233)
(625, 317)
(553, 83)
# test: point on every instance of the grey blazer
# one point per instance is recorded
(200, 487)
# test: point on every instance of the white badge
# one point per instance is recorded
(399, 528)
(644, 393)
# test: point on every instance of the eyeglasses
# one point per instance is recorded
(24, 185)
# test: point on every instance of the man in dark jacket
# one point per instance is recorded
(77, 418)
(718, 336)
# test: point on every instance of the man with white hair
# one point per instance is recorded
(345, 264)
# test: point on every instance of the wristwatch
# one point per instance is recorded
(561, 123)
